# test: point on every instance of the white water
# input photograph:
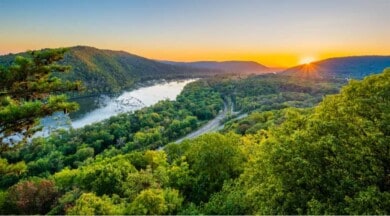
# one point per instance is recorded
(133, 100)
(126, 102)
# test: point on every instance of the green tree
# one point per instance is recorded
(229, 201)
(106, 176)
(28, 91)
(6, 207)
(12, 169)
(332, 161)
(156, 201)
(90, 204)
(213, 158)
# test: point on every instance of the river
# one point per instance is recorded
(126, 102)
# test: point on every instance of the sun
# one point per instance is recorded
(307, 60)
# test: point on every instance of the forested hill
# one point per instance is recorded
(107, 70)
(116, 69)
(330, 159)
(246, 67)
(345, 67)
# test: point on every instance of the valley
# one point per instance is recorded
(202, 143)
(132, 100)
(99, 108)
(211, 126)
(195, 107)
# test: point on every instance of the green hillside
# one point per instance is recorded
(330, 159)
(106, 70)
(302, 149)
(111, 71)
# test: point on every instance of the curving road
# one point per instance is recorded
(211, 126)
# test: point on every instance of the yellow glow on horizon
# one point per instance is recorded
(307, 60)
(268, 57)
(278, 60)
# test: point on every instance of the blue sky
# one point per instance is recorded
(278, 32)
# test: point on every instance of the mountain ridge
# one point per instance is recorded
(112, 71)
(227, 66)
(343, 67)
(104, 70)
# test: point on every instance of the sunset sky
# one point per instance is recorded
(275, 33)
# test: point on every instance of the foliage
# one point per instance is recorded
(33, 197)
(28, 91)
(274, 92)
(155, 202)
(90, 204)
(330, 159)
(254, 122)
(106, 71)
(213, 158)
(148, 128)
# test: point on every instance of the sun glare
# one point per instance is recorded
(307, 60)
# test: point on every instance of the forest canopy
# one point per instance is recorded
(329, 159)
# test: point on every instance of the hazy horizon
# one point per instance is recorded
(273, 33)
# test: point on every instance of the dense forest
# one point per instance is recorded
(113, 71)
(305, 147)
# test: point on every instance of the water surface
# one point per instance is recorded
(131, 101)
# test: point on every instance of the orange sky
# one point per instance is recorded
(271, 58)
(274, 33)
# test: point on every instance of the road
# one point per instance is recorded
(211, 126)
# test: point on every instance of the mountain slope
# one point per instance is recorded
(107, 70)
(246, 67)
(344, 67)
(117, 69)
